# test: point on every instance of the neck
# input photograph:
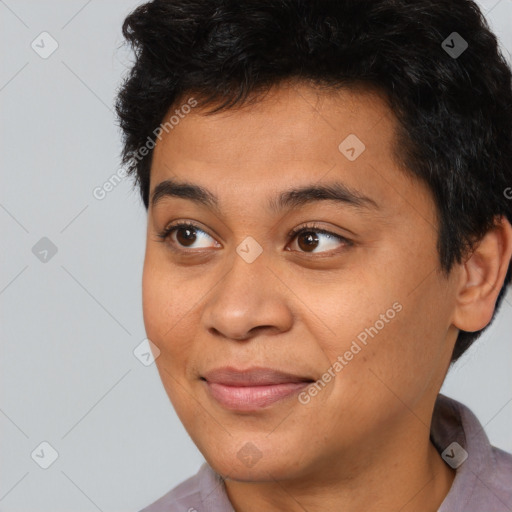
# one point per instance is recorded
(401, 474)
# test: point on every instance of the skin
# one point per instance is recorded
(362, 443)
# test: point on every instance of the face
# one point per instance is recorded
(305, 255)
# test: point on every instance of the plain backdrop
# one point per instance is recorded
(70, 283)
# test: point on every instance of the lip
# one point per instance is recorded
(253, 388)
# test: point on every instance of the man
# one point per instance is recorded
(328, 230)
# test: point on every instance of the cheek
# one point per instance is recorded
(393, 340)
(409, 353)
(170, 309)
(164, 301)
(162, 313)
(155, 305)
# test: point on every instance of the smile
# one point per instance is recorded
(252, 389)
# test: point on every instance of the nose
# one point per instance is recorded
(247, 301)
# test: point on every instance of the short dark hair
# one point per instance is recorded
(454, 111)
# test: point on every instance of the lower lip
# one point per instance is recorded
(250, 398)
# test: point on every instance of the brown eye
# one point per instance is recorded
(186, 236)
(307, 240)
(310, 238)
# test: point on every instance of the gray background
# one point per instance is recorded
(69, 325)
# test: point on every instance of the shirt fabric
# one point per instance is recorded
(483, 479)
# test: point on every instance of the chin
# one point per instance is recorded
(261, 472)
(250, 464)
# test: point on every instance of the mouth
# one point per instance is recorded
(252, 389)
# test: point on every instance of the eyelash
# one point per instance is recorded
(167, 232)
(294, 233)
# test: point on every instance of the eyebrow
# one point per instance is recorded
(290, 199)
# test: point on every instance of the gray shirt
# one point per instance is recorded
(483, 480)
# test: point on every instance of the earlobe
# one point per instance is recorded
(482, 277)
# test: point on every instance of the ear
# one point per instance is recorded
(482, 277)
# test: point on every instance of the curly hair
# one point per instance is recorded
(454, 111)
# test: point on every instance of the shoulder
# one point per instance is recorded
(184, 497)
(204, 491)
(491, 487)
(500, 475)
(483, 478)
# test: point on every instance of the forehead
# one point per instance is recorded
(295, 111)
(294, 133)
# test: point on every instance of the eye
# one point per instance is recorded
(186, 234)
(310, 238)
